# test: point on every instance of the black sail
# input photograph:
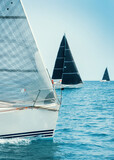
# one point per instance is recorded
(58, 68)
(70, 72)
(106, 75)
(65, 67)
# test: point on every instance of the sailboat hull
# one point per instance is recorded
(72, 86)
(104, 81)
(28, 122)
(58, 85)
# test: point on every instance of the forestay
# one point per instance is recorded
(23, 78)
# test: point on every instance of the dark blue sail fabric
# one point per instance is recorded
(70, 71)
(58, 68)
(106, 75)
(65, 67)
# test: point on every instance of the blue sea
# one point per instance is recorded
(84, 131)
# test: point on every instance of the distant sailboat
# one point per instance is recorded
(65, 73)
(28, 103)
(106, 76)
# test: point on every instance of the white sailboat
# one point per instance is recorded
(28, 103)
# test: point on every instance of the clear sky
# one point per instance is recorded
(89, 28)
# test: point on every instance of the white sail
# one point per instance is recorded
(23, 77)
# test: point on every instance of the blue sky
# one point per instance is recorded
(89, 28)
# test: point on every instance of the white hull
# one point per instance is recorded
(72, 86)
(28, 122)
(104, 81)
(58, 85)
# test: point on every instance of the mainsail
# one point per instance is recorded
(59, 63)
(65, 67)
(106, 75)
(23, 78)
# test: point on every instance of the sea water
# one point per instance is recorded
(84, 131)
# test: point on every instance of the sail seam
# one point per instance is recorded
(71, 73)
(67, 49)
(12, 17)
(18, 70)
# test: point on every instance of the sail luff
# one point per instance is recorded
(64, 55)
(37, 46)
